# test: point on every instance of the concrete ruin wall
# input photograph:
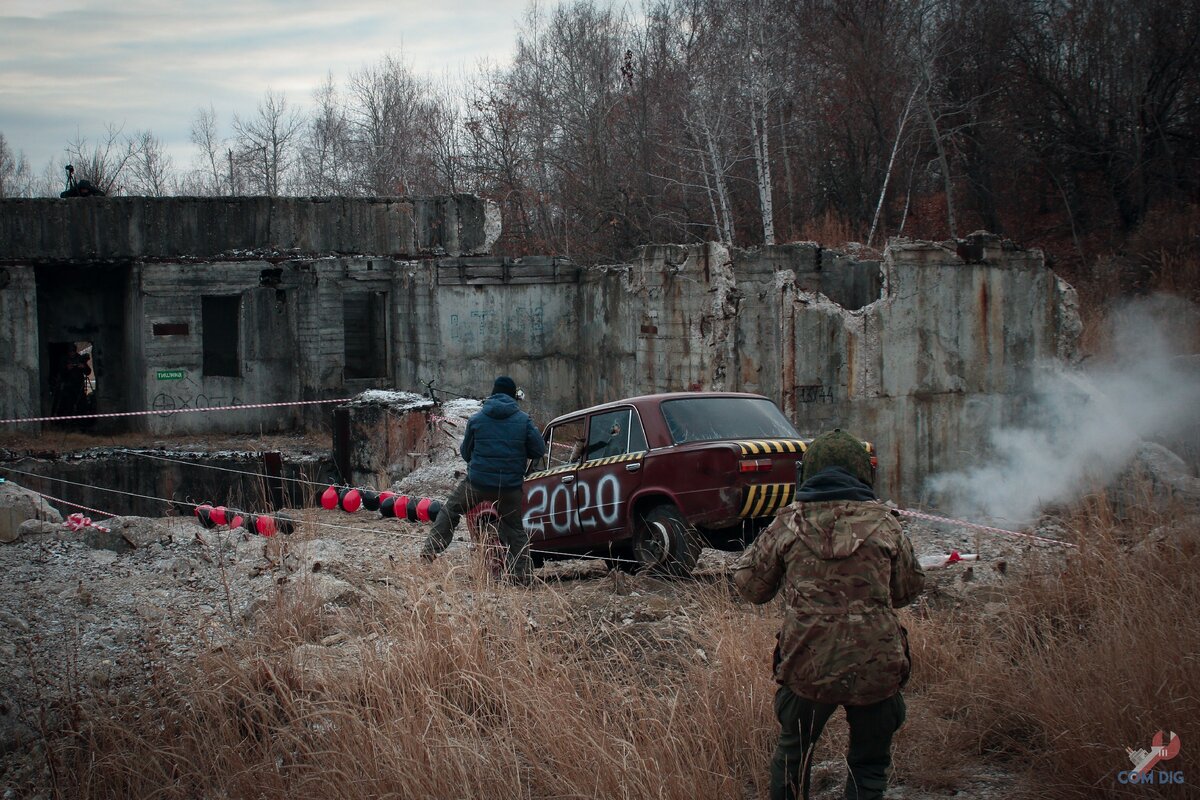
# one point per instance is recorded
(114, 228)
(923, 352)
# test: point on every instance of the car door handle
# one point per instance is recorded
(568, 478)
(634, 467)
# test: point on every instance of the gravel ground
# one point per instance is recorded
(86, 608)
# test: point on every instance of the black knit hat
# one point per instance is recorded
(505, 385)
(837, 449)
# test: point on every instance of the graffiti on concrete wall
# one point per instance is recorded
(816, 394)
(489, 324)
(165, 403)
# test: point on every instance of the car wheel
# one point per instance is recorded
(665, 543)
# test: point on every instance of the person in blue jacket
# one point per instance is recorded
(498, 443)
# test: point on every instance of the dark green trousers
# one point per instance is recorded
(512, 531)
(869, 758)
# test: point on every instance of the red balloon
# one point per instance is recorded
(217, 515)
(385, 494)
(329, 498)
(203, 513)
(351, 500)
(423, 509)
(236, 522)
(402, 502)
(265, 525)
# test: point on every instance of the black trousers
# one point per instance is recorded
(509, 503)
(869, 757)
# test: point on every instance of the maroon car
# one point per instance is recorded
(650, 480)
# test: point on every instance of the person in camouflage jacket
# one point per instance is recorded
(843, 564)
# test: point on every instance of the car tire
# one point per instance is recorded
(665, 543)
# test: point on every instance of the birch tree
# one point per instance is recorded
(267, 143)
(209, 176)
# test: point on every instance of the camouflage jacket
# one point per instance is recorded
(843, 565)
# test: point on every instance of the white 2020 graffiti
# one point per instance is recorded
(556, 506)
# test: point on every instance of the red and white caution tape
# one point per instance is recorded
(78, 521)
(962, 523)
(71, 522)
(166, 411)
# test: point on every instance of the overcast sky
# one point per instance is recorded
(68, 67)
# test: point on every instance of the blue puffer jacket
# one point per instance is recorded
(499, 441)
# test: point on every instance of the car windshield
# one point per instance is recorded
(705, 419)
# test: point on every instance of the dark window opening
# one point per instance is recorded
(219, 320)
(564, 445)
(72, 379)
(365, 317)
(615, 433)
(170, 329)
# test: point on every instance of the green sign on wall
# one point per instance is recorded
(170, 374)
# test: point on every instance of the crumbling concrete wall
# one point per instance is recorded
(923, 352)
(381, 436)
(925, 367)
(471, 319)
(20, 396)
(944, 356)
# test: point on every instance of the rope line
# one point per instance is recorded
(69, 503)
(166, 411)
(187, 463)
(976, 526)
(902, 511)
(401, 534)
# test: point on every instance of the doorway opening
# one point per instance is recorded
(72, 379)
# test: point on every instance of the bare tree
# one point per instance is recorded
(325, 150)
(151, 169)
(266, 143)
(105, 164)
(444, 140)
(210, 177)
(16, 179)
(387, 106)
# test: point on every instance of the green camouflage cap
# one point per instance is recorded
(837, 449)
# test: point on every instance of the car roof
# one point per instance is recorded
(646, 402)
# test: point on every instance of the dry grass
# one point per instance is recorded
(445, 685)
(1093, 653)
(430, 695)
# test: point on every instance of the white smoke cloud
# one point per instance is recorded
(1084, 424)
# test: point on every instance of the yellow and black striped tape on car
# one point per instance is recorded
(760, 447)
(555, 471)
(595, 462)
(763, 499)
(600, 462)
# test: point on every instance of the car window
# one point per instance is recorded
(706, 419)
(615, 433)
(565, 444)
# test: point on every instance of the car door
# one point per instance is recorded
(610, 474)
(550, 508)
